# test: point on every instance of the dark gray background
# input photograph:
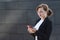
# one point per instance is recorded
(16, 14)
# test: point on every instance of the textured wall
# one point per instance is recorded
(16, 14)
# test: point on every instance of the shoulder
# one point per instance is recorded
(48, 23)
(48, 20)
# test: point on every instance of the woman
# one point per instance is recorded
(43, 27)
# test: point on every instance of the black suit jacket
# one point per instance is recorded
(44, 30)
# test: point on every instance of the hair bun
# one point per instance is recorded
(49, 12)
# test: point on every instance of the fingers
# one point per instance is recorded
(29, 26)
(30, 29)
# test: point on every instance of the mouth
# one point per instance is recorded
(39, 15)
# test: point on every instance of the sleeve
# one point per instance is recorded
(33, 34)
(45, 30)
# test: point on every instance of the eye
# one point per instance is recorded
(41, 11)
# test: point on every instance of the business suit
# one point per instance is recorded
(44, 31)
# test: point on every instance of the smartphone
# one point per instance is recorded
(29, 26)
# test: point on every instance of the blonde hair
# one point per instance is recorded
(46, 8)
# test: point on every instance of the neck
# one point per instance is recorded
(43, 18)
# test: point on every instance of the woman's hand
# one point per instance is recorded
(30, 29)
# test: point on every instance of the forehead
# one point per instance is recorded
(40, 9)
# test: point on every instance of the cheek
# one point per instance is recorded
(43, 14)
(38, 13)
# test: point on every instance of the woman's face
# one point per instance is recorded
(42, 13)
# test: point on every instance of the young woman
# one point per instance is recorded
(43, 27)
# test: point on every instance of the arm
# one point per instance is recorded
(45, 30)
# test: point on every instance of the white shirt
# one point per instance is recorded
(37, 26)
